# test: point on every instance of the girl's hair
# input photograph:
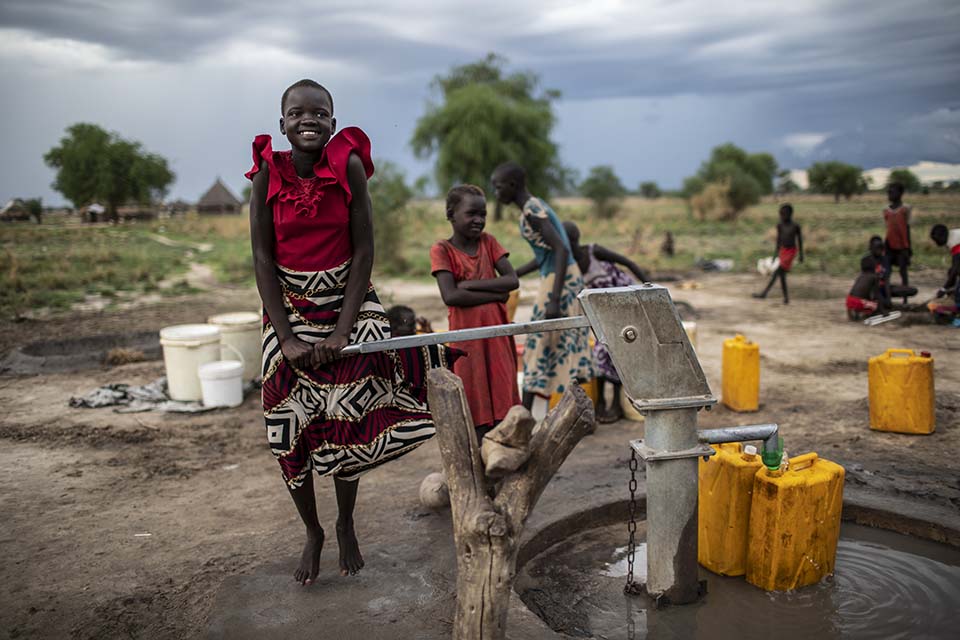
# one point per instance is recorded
(512, 171)
(306, 82)
(458, 193)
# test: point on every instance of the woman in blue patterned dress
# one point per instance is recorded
(551, 360)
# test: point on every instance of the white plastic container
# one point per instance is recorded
(691, 328)
(240, 335)
(186, 347)
(221, 383)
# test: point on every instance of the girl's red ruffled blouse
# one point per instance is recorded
(311, 216)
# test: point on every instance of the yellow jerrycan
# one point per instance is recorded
(591, 387)
(723, 511)
(902, 398)
(741, 374)
(794, 523)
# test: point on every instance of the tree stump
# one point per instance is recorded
(487, 530)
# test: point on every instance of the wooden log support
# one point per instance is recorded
(487, 530)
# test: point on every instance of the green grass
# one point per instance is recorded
(835, 234)
(59, 263)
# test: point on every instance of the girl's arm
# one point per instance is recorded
(529, 267)
(453, 296)
(907, 223)
(602, 253)
(800, 242)
(507, 281)
(560, 257)
(296, 351)
(361, 265)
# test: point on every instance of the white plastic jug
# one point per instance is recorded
(241, 330)
(186, 347)
(691, 328)
(221, 383)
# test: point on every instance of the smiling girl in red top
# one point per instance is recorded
(311, 226)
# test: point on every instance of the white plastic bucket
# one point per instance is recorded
(691, 328)
(240, 334)
(186, 347)
(221, 383)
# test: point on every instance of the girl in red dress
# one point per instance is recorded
(312, 232)
(475, 278)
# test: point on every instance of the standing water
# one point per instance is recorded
(886, 585)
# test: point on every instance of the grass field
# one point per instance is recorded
(62, 262)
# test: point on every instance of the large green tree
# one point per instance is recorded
(95, 165)
(836, 178)
(485, 117)
(605, 189)
(747, 176)
(909, 180)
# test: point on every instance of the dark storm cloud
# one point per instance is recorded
(874, 82)
(829, 45)
(874, 51)
(934, 136)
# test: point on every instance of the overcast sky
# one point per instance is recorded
(649, 87)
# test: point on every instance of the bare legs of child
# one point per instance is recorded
(613, 412)
(306, 502)
(526, 399)
(350, 559)
(779, 273)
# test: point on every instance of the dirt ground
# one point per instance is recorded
(125, 525)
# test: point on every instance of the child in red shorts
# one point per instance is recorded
(789, 246)
(869, 293)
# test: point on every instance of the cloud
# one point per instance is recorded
(933, 136)
(640, 49)
(649, 86)
(803, 143)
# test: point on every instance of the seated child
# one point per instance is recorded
(404, 322)
(475, 278)
(866, 296)
(598, 266)
(951, 240)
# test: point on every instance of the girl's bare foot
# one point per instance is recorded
(350, 559)
(309, 567)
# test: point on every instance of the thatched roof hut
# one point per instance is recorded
(218, 199)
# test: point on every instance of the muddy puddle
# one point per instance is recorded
(886, 585)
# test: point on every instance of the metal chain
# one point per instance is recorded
(632, 588)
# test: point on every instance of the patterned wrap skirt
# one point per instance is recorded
(554, 359)
(610, 276)
(352, 415)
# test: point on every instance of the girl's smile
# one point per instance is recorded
(308, 121)
(470, 217)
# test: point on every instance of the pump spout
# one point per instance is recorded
(769, 433)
